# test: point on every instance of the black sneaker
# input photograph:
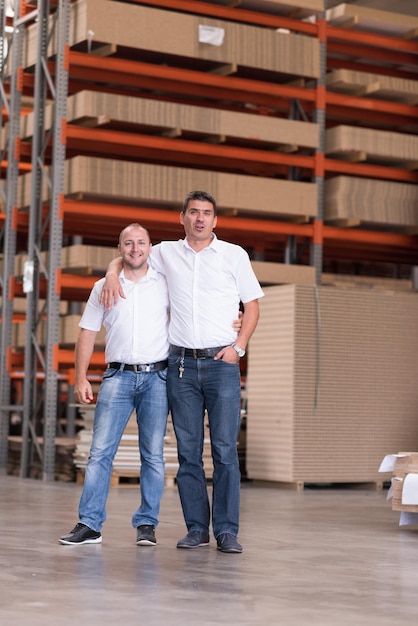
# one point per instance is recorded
(81, 534)
(227, 542)
(194, 539)
(145, 535)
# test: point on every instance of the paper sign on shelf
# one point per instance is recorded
(211, 35)
(28, 277)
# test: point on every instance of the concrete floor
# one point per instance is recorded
(323, 557)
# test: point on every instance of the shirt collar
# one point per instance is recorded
(150, 275)
(214, 244)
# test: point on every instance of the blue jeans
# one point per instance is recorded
(120, 393)
(215, 386)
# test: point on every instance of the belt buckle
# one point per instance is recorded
(142, 368)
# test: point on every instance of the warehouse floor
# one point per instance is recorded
(328, 557)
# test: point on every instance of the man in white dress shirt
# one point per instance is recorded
(135, 379)
(207, 280)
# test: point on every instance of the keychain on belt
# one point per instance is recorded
(181, 367)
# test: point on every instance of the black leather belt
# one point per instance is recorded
(141, 367)
(197, 353)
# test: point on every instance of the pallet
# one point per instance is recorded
(126, 479)
(300, 485)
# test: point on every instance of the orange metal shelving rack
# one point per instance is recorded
(355, 50)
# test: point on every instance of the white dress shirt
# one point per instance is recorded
(205, 290)
(137, 327)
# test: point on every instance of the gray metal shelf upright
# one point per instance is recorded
(12, 104)
(316, 252)
(40, 387)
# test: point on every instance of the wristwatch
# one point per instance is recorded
(238, 350)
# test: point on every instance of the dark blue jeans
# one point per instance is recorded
(215, 386)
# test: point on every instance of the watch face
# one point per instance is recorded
(239, 351)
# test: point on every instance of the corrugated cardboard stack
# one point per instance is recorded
(331, 383)
(372, 20)
(406, 463)
(127, 463)
(364, 144)
(355, 201)
(99, 109)
(185, 35)
(375, 85)
(121, 181)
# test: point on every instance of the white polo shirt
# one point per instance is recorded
(137, 327)
(205, 290)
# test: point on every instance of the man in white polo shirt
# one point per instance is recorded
(135, 379)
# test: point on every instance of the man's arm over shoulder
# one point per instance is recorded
(112, 289)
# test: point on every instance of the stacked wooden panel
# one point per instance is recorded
(372, 20)
(406, 463)
(127, 464)
(368, 145)
(331, 383)
(117, 181)
(289, 8)
(357, 83)
(159, 116)
(184, 35)
(280, 273)
(352, 201)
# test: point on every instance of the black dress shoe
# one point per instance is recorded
(228, 543)
(194, 539)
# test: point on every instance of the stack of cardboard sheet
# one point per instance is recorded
(351, 201)
(123, 181)
(403, 491)
(331, 383)
(78, 258)
(84, 259)
(372, 20)
(379, 86)
(64, 469)
(406, 465)
(127, 463)
(297, 9)
(172, 119)
(353, 143)
(184, 35)
(67, 333)
(280, 273)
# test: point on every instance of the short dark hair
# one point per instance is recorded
(202, 196)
